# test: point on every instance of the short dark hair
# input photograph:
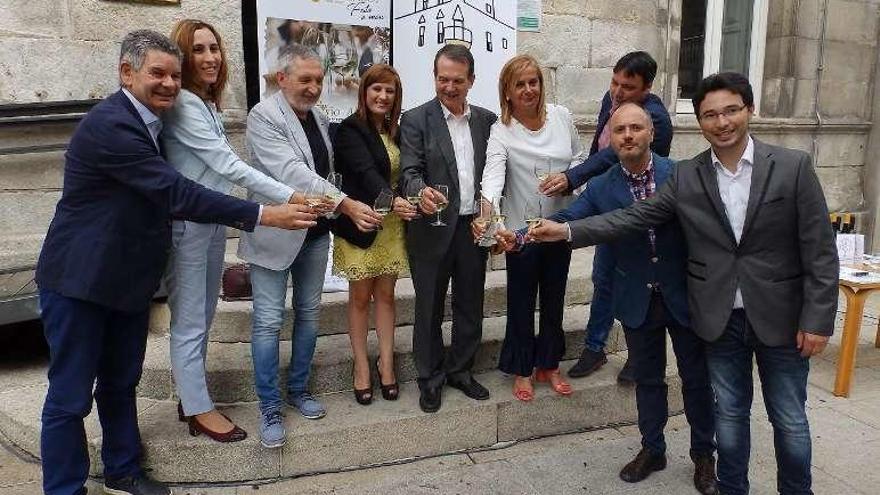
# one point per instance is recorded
(457, 53)
(734, 82)
(638, 64)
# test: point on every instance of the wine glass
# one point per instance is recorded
(444, 190)
(334, 179)
(498, 215)
(532, 212)
(482, 217)
(383, 204)
(414, 199)
(315, 193)
(542, 169)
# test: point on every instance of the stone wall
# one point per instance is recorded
(57, 50)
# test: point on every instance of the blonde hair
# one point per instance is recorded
(509, 73)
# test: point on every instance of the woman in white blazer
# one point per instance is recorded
(194, 142)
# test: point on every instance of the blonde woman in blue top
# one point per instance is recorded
(194, 142)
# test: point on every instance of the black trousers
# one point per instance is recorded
(465, 264)
(647, 353)
(538, 271)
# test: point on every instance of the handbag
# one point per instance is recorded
(237, 283)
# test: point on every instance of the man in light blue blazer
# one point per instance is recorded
(288, 140)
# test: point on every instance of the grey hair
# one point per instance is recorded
(294, 51)
(136, 44)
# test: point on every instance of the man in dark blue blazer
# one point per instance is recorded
(102, 260)
(631, 82)
(650, 298)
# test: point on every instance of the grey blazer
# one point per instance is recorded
(786, 261)
(280, 149)
(427, 158)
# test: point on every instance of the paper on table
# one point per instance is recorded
(859, 276)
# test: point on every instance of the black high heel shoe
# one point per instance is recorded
(180, 416)
(389, 392)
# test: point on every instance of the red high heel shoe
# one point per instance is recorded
(525, 392)
(555, 380)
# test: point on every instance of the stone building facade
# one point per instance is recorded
(820, 61)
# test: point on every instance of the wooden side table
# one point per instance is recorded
(856, 293)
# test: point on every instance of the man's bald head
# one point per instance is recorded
(628, 110)
(632, 132)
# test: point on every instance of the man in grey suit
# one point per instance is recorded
(762, 274)
(288, 140)
(443, 142)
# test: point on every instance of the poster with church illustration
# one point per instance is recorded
(421, 27)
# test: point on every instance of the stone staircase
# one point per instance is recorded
(350, 435)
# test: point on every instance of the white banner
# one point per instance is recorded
(421, 27)
(347, 35)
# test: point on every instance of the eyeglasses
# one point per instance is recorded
(728, 112)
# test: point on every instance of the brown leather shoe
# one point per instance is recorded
(704, 474)
(236, 434)
(645, 463)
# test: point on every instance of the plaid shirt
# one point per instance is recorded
(642, 186)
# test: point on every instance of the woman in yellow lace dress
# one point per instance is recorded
(368, 158)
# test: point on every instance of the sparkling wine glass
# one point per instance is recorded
(542, 169)
(482, 217)
(334, 179)
(532, 212)
(444, 190)
(315, 193)
(383, 204)
(414, 199)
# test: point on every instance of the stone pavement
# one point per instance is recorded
(846, 451)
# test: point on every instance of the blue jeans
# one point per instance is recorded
(270, 288)
(601, 312)
(783, 374)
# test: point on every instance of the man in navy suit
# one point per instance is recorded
(102, 260)
(650, 298)
(631, 82)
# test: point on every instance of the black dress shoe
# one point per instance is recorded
(645, 463)
(704, 474)
(627, 375)
(430, 399)
(135, 485)
(589, 362)
(470, 387)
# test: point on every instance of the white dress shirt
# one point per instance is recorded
(734, 188)
(463, 144)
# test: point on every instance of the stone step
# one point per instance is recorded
(351, 435)
(230, 370)
(232, 322)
